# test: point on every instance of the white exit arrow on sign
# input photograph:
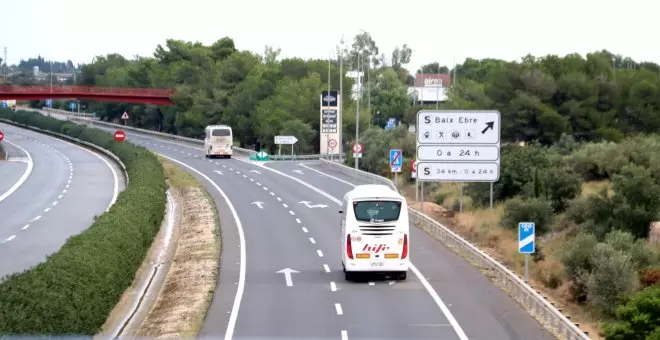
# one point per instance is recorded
(286, 140)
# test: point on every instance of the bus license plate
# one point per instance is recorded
(377, 264)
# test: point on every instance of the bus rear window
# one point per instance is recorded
(221, 133)
(377, 211)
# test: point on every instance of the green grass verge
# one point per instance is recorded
(75, 289)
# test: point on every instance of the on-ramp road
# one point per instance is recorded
(50, 190)
(266, 232)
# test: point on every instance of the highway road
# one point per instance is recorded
(50, 190)
(267, 232)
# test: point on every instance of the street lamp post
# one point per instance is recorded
(357, 110)
(340, 98)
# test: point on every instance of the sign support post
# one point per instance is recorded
(288, 140)
(526, 242)
(396, 162)
(125, 117)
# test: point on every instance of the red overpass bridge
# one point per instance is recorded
(111, 94)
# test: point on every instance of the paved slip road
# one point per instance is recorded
(279, 232)
(66, 187)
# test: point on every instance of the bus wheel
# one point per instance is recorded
(349, 276)
(402, 276)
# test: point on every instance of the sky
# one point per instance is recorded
(437, 30)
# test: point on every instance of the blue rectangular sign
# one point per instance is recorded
(72, 106)
(396, 158)
(526, 237)
(4, 104)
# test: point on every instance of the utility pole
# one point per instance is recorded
(6, 68)
(327, 135)
(340, 98)
(368, 89)
(357, 110)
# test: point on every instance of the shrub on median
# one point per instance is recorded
(75, 289)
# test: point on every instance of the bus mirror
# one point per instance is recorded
(341, 211)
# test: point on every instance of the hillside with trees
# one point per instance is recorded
(580, 156)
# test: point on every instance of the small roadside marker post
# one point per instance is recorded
(526, 242)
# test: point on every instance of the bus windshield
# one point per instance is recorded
(377, 211)
(220, 132)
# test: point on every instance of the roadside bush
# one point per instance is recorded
(75, 289)
(575, 257)
(440, 196)
(516, 172)
(456, 204)
(562, 185)
(638, 318)
(534, 210)
(651, 276)
(613, 277)
(636, 200)
(604, 273)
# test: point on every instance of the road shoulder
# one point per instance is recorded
(181, 277)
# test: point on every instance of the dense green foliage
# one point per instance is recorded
(639, 317)
(75, 289)
(258, 95)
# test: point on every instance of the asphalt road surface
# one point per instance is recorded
(264, 223)
(66, 187)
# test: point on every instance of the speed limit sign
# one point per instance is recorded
(357, 150)
(413, 173)
(332, 143)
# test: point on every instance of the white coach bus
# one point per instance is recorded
(375, 232)
(218, 140)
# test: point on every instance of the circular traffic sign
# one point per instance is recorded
(120, 136)
(357, 148)
(414, 165)
(332, 143)
(2, 136)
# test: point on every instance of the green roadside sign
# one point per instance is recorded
(259, 156)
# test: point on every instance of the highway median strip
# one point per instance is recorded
(180, 284)
(74, 290)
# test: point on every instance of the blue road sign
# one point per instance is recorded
(4, 104)
(49, 102)
(72, 106)
(391, 124)
(396, 160)
(526, 237)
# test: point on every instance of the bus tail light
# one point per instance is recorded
(404, 252)
(349, 248)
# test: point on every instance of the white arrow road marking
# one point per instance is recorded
(259, 204)
(256, 171)
(218, 172)
(287, 275)
(299, 171)
(310, 205)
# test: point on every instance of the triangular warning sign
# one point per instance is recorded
(125, 115)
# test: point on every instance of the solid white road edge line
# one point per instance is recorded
(436, 298)
(24, 176)
(241, 276)
(115, 178)
(445, 310)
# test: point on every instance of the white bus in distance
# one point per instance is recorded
(375, 232)
(218, 140)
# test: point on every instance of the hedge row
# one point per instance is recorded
(75, 289)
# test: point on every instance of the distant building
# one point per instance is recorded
(430, 88)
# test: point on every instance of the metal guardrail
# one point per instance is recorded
(535, 303)
(198, 142)
(76, 141)
(64, 112)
